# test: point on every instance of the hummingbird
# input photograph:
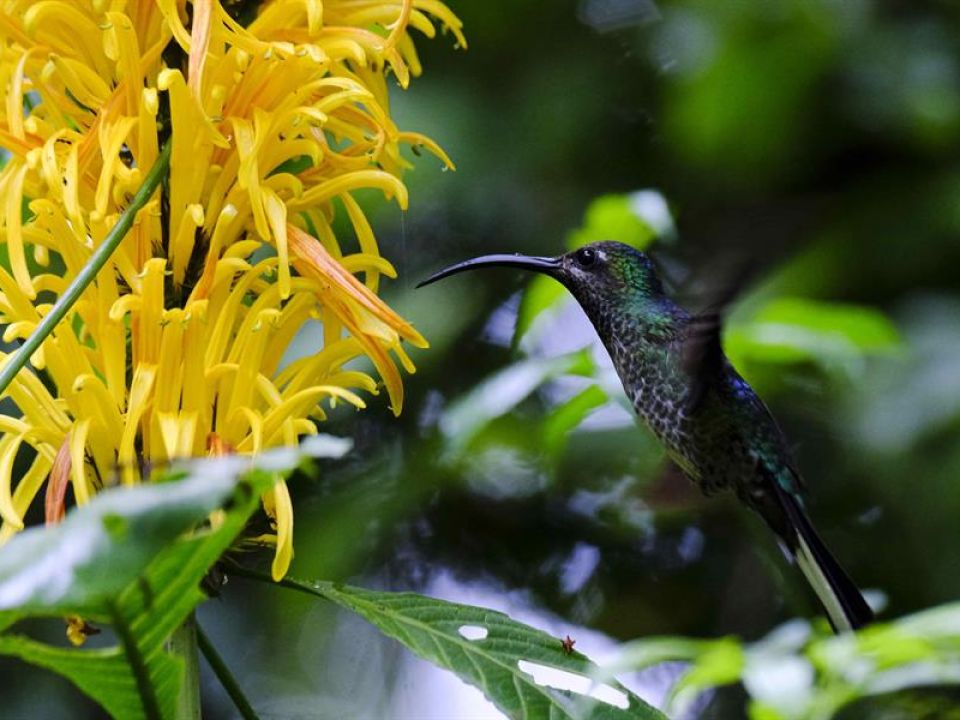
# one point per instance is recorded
(710, 421)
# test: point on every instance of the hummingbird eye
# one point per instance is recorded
(586, 257)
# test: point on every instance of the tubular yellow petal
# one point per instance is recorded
(169, 423)
(405, 360)
(112, 137)
(182, 246)
(295, 313)
(301, 404)
(15, 96)
(140, 390)
(34, 400)
(107, 412)
(17, 330)
(416, 139)
(370, 264)
(199, 44)
(123, 305)
(188, 439)
(368, 243)
(148, 327)
(85, 85)
(9, 445)
(314, 15)
(18, 260)
(169, 374)
(78, 442)
(399, 26)
(227, 315)
(196, 396)
(172, 17)
(125, 52)
(301, 372)
(353, 378)
(27, 489)
(277, 218)
(225, 222)
(253, 443)
(248, 175)
(279, 506)
(323, 192)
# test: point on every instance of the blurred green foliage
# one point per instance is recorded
(133, 561)
(797, 672)
(489, 650)
(128, 561)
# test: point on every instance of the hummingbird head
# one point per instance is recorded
(606, 278)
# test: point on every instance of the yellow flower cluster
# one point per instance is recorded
(277, 112)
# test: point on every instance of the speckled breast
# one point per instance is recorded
(711, 446)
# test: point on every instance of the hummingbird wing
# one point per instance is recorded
(702, 354)
(702, 357)
(725, 251)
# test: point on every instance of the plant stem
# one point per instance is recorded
(183, 644)
(138, 666)
(225, 677)
(89, 272)
(266, 578)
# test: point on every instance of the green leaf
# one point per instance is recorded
(795, 674)
(133, 558)
(612, 217)
(712, 663)
(89, 558)
(567, 416)
(790, 330)
(541, 293)
(720, 662)
(503, 391)
(498, 661)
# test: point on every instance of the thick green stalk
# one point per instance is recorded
(183, 644)
(89, 272)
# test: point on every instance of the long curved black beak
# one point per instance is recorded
(548, 266)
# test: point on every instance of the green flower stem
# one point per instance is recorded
(183, 644)
(89, 272)
(225, 677)
(251, 574)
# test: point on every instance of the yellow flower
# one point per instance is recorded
(276, 113)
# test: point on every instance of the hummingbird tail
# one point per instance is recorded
(845, 605)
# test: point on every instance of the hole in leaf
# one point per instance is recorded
(473, 632)
(563, 680)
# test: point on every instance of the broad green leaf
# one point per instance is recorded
(789, 330)
(540, 294)
(503, 391)
(80, 564)
(612, 217)
(490, 651)
(567, 416)
(132, 558)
